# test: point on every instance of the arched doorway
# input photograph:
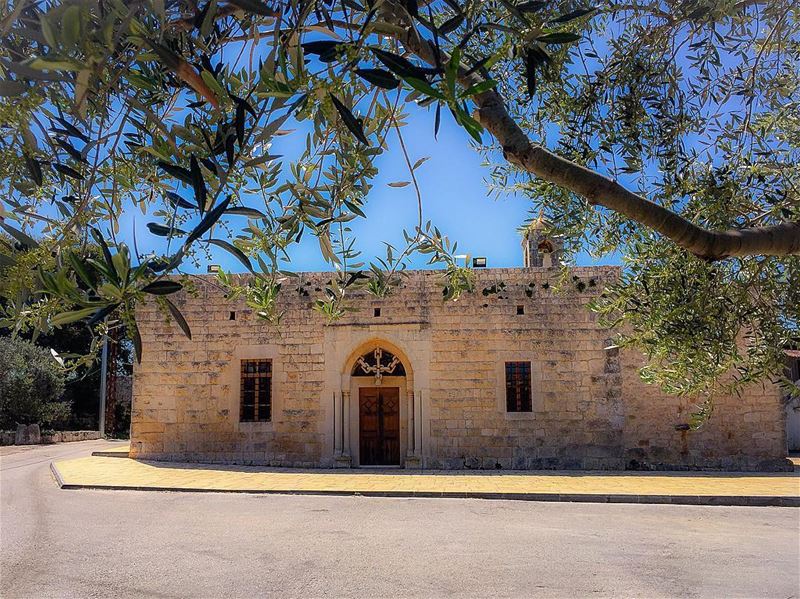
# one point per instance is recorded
(374, 422)
(379, 407)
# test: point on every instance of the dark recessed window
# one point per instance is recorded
(520, 310)
(518, 387)
(256, 391)
(376, 312)
(232, 315)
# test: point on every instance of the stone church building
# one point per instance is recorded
(510, 376)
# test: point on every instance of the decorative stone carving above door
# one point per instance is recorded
(378, 363)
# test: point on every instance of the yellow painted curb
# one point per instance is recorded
(636, 487)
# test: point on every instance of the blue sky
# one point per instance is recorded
(455, 197)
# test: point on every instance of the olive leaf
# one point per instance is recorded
(178, 201)
(198, 184)
(532, 6)
(137, 343)
(399, 65)
(11, 88)
(379, 77)
(558, 37)
(101, 314)
(176, 171)
(23, 238)
(245, 211)
(211, 217)
(451, 24)
(176, 314)
(349, 120)
(327, 50)
(34, 169)
(164, 231)
(479, 88)
(73, 316)
(162, 287)
(71, 150)
(68, 171)
(232, 249)
(580, 12)
(98, 237)
(255, 6)
(72, 130)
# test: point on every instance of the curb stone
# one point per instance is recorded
(110, 454)
(707, 500)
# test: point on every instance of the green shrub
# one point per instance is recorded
(31, 384)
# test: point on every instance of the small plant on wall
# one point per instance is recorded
(495, 288)
(530, 288)
(460, 279)
(260, 294)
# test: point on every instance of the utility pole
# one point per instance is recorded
(103, 380)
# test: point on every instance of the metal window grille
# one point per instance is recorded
(518, 387)
(256, 391)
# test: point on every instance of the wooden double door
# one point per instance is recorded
(379, 426)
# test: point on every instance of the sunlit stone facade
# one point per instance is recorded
(446, 402)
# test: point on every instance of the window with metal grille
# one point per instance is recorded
(256, 395)
(518, 387)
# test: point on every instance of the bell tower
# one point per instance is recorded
(540, 249)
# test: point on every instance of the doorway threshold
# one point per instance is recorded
(380, 467)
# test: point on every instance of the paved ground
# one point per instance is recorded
(633, 487)
(88, 543)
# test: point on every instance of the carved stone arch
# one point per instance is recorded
(347, 408)
(370, 346)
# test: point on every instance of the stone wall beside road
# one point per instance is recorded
(32, 435)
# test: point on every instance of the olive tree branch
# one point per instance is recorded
(599, 190)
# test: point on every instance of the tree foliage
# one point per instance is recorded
(664, 131)
(31, 385)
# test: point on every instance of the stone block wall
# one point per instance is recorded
(31, 435)
(590, 410)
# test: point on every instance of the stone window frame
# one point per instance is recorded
(255, 352)
(537, 398)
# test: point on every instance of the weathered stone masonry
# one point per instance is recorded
(590, 409)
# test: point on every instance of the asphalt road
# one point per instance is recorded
(82, 543)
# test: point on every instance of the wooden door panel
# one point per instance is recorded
(390, 400)
(368, 430)
(379, 426)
